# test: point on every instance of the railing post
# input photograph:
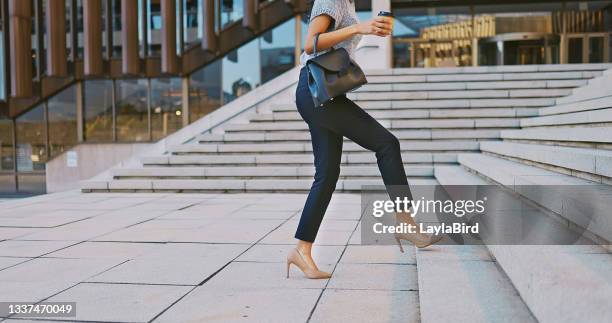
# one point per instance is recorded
(129, 37)
(21, 47)
(168, 55)
(56, 38)
(92, 13)
(209, 35)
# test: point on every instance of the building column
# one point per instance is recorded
(169, 57)
(20, 20)
(129, 37)
(92, 13)
(209, 37)
(57, 64)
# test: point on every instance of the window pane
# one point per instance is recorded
(166, 113)
(575, 51)
(7, 184)
(596, 49)
(192, 20)
(205, 91)
(277, 50)
(155, 26)
(132, 114)
(32, 183)
(241, 71)
(98, 111)
(62, 121)
(117, 28)
(6, 145)
(31, 147)
(231, 10)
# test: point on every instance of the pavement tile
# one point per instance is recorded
(18, 248)
(118, 250)
(374, 276)
(251, 275)
(325, 256)
(45, 270)
(206, 304)
(378, 255)
(367, 306)
(11, 261)
(120, 302)
(12, 233)
(228, 231)
(32, 291)
(176, 263)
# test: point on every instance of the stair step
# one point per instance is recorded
(569, 134)
(576, 118)
(465, 77)
(425, 145)
(350, 158)
(305, 135)
(586, 105)
(464, 284)
(556, 198)
(281, 171)
(441, 104)
(540, 273)
(592, 161)
(500, 85)
(391, 124)
(456, 94)
(239, 185)
(414, 113)
(491, 69)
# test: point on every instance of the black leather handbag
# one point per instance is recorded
(332, 74)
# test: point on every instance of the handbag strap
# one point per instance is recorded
(316, 41)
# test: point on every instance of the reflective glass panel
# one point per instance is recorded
(132, 110)
(432, 37)
(231, 10)
(166, 105)
(241, 71)
(192, 20)
(7, 183)
(31, 140)
(62, 121)
(205, 91)
(6, 145)
(32, 183)
(116, 4)
(277, 50)
(98, 111)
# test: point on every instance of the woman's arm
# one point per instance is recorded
(379, 26)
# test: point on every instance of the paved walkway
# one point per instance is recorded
(197, 258)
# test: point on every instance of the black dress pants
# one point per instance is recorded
(328, 125)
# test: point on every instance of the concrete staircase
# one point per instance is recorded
(436, 113)
(567, 145)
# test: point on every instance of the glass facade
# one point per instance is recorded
(132, 110)
(166, 107)
(503, 34)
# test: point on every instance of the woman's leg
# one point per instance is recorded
(327, 149)
(346, 118)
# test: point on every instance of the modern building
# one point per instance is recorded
(135, 71)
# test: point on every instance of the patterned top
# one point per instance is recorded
(344, 15)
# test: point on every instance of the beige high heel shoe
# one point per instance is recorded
(420, 240)
(296, 258)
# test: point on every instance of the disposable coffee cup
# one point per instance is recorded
(387, 14)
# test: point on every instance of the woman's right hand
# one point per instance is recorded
(379, 26)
